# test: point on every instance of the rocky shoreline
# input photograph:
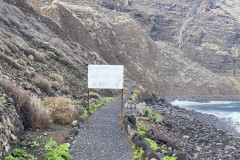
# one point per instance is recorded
(198, 136)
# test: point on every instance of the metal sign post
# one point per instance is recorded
(88, 111)
(121, 109)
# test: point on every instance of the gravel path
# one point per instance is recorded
(104, 140)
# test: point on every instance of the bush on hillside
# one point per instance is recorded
(34, 115)
(10, 61)
(65, 90)
(42, 83)
(40, 116)
(57, 77)
(38, 56)
(61, 109)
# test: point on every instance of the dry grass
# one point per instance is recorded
(10, 61)
(39, 115)
(38, 56)
(57, 77)
(34, 115)
(65, 90)
(42, 83)
(61, 109)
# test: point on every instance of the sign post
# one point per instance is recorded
(105, 77)
(88, 111)
(121, 109)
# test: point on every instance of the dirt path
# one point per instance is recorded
(104, 140)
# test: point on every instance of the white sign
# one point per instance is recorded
(105, 76)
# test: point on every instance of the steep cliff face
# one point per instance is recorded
(206, 31)
(171, 47)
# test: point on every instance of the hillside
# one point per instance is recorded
(172, 48)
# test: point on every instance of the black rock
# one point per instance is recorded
(132, 119)
(139, 142)
(150, 154)
(182, 155)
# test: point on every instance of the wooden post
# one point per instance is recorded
(122, 109)
(88, 111)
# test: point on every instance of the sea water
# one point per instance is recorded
(229, 111)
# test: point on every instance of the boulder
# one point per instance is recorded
(181, 155)
(159, 121)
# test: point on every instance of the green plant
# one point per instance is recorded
(57, 152)
(84, 115)
(2, 99)
(162, 149)
(108, 100)
(23, 143)
(133, 146)
(158, 116)
(50, 145)
(138, 154)
(33, 144)
(150, 113)
(20, 154)
(153, 117)
(141, 130)
(169, 158)
(152, 143)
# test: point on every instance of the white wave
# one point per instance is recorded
(235, 116)
(184, 103)
(224, 107)
(189, 103)
(221, 102)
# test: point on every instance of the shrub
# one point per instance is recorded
(142, 130)
(10, 61)
(152, 143)
(33, 113)
(57, 152)
(61, 109)
(38, 56)
(65, 90)
(57, 77)
(42, 83)
(138, 154)
(20, 153)
(39, 115)
(94, 95)
(169, 158)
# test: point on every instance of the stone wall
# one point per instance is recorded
(11, 126)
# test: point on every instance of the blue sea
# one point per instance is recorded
(229, 111)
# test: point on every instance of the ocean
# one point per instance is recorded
(229, 111)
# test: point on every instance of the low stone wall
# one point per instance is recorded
(11, 126)
(130, 126)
